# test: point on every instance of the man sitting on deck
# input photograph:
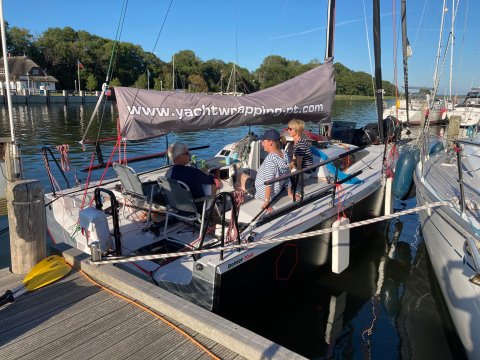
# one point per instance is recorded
(193, 177)
(274, 165)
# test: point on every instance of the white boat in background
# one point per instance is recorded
(451, 232)
(419, 110)
(468, 110)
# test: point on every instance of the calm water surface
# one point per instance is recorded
(384, 306)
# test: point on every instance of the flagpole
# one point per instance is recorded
(78, 73)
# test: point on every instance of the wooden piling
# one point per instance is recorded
(27, 224)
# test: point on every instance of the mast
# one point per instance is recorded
(330, 29)
(17, 172)
(435, 74)
(451, 47)
(406, 55)
(173, 72)
(378, 67)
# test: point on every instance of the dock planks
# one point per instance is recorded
(75, 319)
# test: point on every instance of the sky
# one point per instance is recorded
(246, 31)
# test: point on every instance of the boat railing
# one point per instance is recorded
(463, 184)
(115, 218)
(298, 179)
(221, 198)
(46, 151)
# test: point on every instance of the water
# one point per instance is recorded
(384, 306)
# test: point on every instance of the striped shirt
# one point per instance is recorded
(302, 148)
(272, 167)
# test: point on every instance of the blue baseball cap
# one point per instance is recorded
(271, 134)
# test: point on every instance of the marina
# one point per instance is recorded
(278, 223)
(295, 314)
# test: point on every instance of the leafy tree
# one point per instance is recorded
(214, 74)
(92, 82)
(197, 84)
(158, 83)
(58, 49)
(273, 71)
(186, 64)
(141, 82)
(20, 42)
(115, 82)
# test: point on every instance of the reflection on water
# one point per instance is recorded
(381, 307)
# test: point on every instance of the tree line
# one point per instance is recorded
(60, 51)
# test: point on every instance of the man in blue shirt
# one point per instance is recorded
(192, 176)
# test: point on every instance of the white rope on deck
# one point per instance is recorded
(114, 260)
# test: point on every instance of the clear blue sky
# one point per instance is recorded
(247, 31)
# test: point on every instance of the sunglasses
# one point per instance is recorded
(186, 153)
(290, 129)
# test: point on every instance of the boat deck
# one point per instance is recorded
(442, 174)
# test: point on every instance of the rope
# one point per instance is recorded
(274, 240)
(64, 160)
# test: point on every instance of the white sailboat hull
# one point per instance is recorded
(445, 231)
(201, 280)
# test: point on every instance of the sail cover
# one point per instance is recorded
(149, 113)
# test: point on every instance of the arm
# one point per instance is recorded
(266, 202)
(298, 163)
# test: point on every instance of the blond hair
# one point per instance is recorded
(297, 125)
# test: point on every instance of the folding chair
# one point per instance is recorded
(135, 189)
(181, 204)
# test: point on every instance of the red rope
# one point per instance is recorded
(64, 160)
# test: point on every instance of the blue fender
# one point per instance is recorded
(437, 147)
(403, 178)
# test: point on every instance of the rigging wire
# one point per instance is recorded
(368, 46)
(419, 25)
(163, 24)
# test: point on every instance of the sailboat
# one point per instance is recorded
(202, 260)
(451, 231)
(469, 110)
(416, 108)
(450, 175)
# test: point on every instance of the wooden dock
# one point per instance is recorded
(76, 319)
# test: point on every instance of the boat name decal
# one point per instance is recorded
(240, 260)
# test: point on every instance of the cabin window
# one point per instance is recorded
(35, 72)
(2, 71)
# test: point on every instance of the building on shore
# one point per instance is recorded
(26, 77)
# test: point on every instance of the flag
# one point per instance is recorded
(80, 65)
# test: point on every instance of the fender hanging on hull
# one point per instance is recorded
(403, 179)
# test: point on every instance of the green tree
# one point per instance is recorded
(115, 82)
(141, 82)
(20, 42)
(186, 64)
(197, 84)
(273, 71)
(92, 82)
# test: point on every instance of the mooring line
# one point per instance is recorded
(124, 259)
